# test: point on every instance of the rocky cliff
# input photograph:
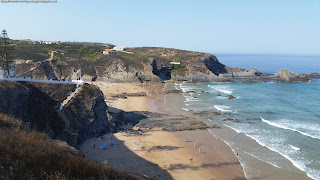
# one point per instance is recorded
(88, 113)
(36, 104)
(143, 64)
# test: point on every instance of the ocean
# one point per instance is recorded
(279, 122)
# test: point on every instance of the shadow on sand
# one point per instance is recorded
(120, 157)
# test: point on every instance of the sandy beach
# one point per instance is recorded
(160, 154)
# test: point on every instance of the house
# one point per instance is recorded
(120, 48)
(108, 51)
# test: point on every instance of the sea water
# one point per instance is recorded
(283, 118)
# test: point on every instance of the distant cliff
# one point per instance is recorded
(143, 64)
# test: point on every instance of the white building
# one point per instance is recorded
(108, 51)
(120, 48)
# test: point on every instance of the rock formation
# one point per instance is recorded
(286, 75)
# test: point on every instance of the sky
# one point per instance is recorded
(214, 26)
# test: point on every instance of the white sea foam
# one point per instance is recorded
(239, 158)
(262, 159)
(223, 89)
(233, 129)
(287, 128)
(295, 148)
(298, 164)
(222, 108)
(185, 109)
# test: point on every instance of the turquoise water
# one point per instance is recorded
(284, 117)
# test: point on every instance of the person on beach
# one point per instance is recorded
(186, 139)
(94, 145)
(197, 142)
(194, 144)
(199, 151)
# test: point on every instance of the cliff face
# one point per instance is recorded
(193, 66)
(34, 103)
(143, 64)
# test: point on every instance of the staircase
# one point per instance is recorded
(69, 98)
(73, 141)
(65, 119)
(73, 137)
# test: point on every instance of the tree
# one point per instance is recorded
(6, 63)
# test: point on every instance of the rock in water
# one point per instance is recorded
(230, 119)
(290, 76)
(230, 97)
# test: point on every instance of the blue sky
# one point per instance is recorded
(215, 26)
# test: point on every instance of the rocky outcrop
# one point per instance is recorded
(230, 119)
(88, 113)
(240, 73)
(173, 91)
(289, 76)
(312, 75)
(214, 65)
(208, 112)
(165, 122)
(254, 80)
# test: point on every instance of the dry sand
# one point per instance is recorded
(160, 154)
(139, 103)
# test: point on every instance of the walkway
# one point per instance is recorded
(28, 79)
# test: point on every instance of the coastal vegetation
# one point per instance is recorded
(28, 154)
